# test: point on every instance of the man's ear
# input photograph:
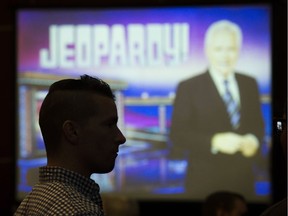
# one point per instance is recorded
(71, 131)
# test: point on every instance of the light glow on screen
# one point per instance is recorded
(143, 53)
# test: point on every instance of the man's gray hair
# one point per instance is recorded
(223, 25)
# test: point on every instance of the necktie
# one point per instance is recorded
(232, 106)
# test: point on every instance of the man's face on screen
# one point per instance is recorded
(222, 52)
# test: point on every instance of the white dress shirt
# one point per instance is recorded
(218, 79)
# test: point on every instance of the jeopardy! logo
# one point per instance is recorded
(86, 46)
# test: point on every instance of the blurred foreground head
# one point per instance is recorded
(225, 203)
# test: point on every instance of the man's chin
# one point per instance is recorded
(108, 170)
(103, 170)
(224, 70)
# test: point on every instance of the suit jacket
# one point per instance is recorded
(198, 113)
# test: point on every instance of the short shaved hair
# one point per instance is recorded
(69, 99)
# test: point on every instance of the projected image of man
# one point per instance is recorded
(217, 120)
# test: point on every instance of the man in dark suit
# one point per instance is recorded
(220, 145)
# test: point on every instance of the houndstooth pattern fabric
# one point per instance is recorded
(62, 192)
(232, 106)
